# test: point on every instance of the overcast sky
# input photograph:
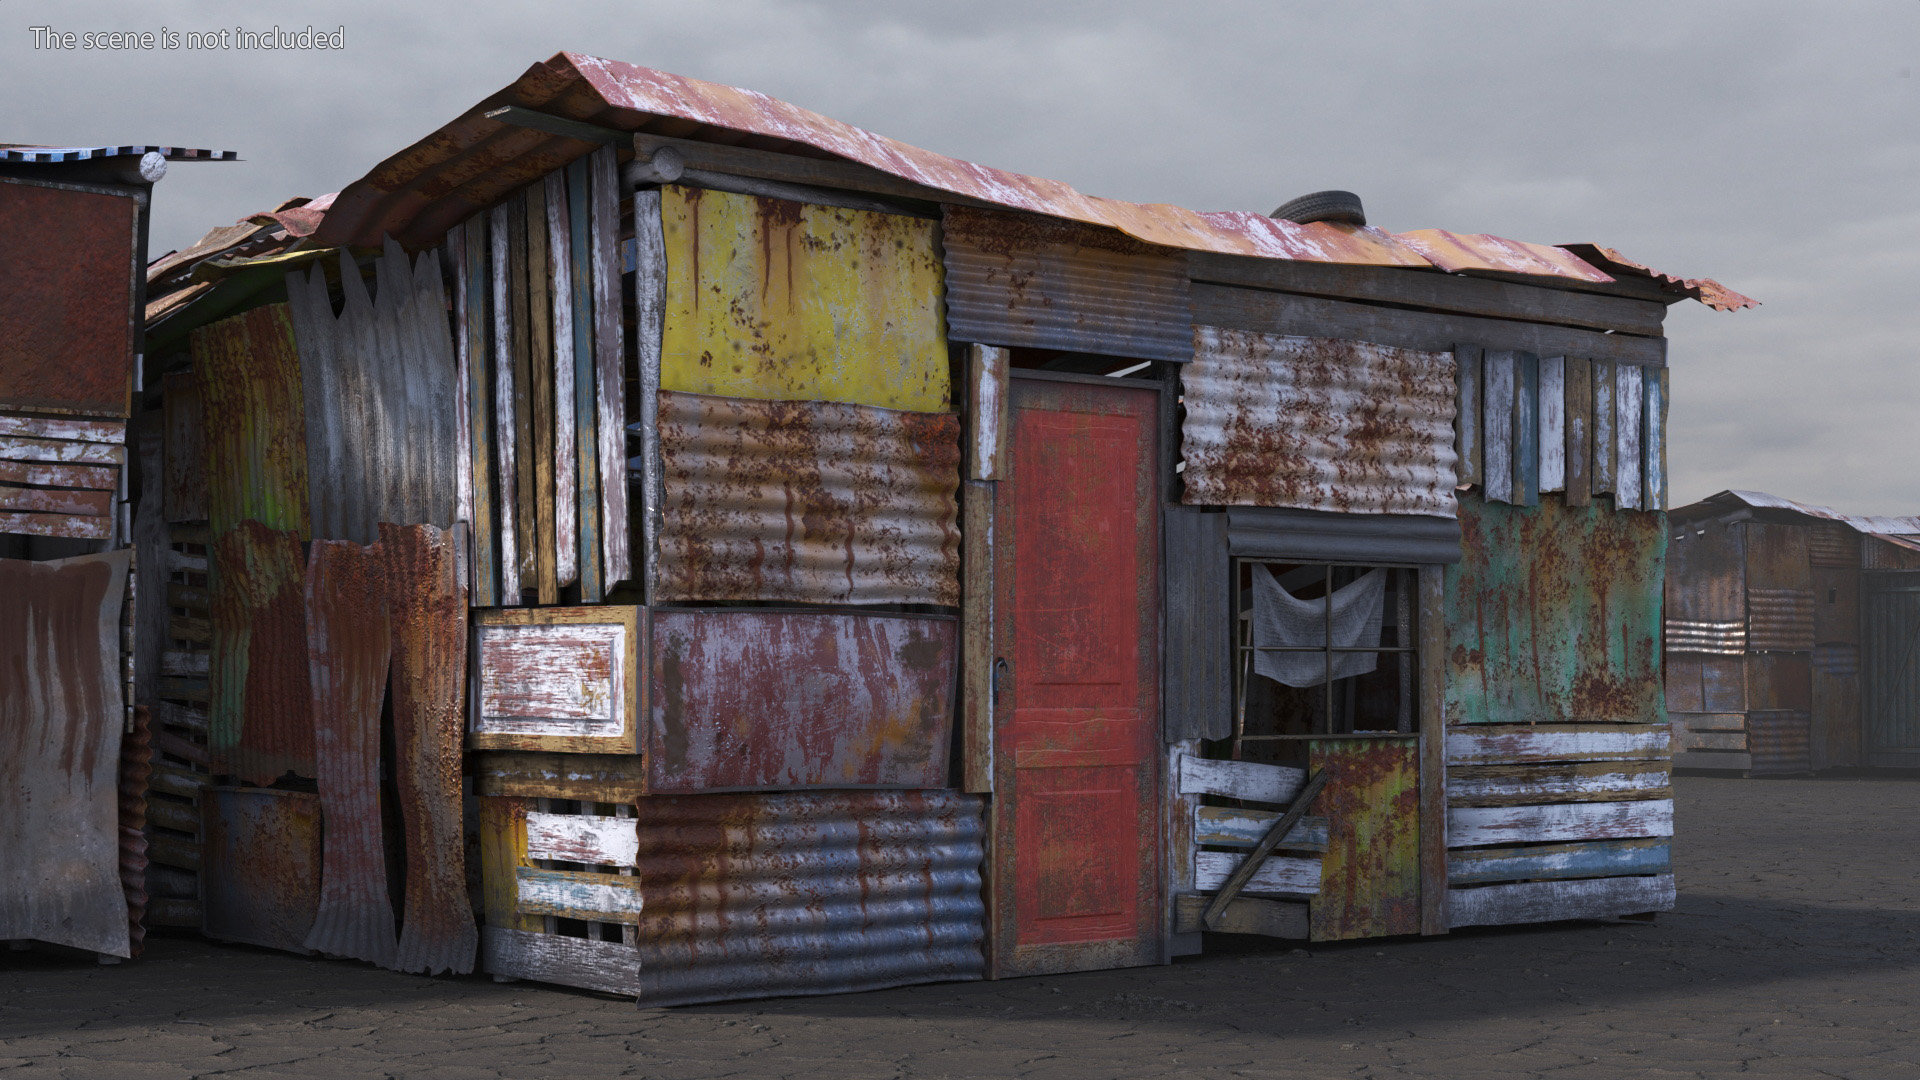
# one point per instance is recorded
(1775, 147)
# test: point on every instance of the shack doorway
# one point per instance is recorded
(1076, 854)
(1892, 633)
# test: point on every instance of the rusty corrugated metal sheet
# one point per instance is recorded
(1780, 743)
(1370, 874)
(1553, 614)
(1015, 279)
(427, 597)
(1780, 620)
(254, 421)
(61, 717)
(789, 301)
(1706, 290)
(1454, 252)
(260, 874)
(473, 162)
(807, 501)
(1317, 424)
(1759, 500)
(67, 266)
(259, 696)
(136, 765)
(1833, 544)
(1706, 590)
(760, 700)
(807, 893)
(60, 155)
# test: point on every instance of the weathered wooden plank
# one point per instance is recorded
(566, 435)
(987, 399)
(1278, 874)
(1433, 750)
(586, 386)
(614, 778)
(1551, 862)
(1653, 443)
(1709, 759)
(187, 718)
(1685, 739)
(162, 911)
(540, 386)
(1604, 474)
(187, 596)
(454, 251)
(1553, 901)
(1497, 409)
(477, 339)
(1578, 457)
(1558, 822)
(1629, 397)
(609, 347)
(181, 817)
(1247, 780)
(91, 477)
(609, 966)
(1592, 781)
(183, 689)
(185, 562)
(174, 781)
(505, 428)
(976, 636)
(1514, 745)
(1703, 721)
(188, 664)
(573, 894)
(1553, 423)
(1287, 313)
(1526, 430)
(1425, 288)
(583, 838)
(503, 851)
(526, 448)
(46, 427)
(68, 525)
(185, 466)
(22, 448)
(1225, 826)
(1468, 367)
(1243, 915)
(179, 851)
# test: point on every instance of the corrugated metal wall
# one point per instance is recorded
(1014, 279)
(807, 501)
(1318, 424)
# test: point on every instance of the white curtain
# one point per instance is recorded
(1281, 619)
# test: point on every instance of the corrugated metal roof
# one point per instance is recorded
(1706, 290)
(56, 155)
(1885, 526)
(473, 161)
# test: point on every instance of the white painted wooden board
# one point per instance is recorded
(507, 521)
(566, 447)
(1248, 780)
(1474, 826)
(988, 369)
(609, 966)
(1553, 423)
(1490, 744)
(1227, 826)
(571, 895)
(1496, 437)
(1552, 901)
(21, 448)
(567, 679)
(1628, 396)
(1534, 783)
(1277, 874)
(609, 341)
(43, 427)
(583, 838)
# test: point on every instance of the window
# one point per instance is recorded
(1321, 649)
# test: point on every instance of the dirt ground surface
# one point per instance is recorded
(1793, 954)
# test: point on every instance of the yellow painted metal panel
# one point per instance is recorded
(789, 301)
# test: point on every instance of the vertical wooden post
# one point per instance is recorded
(1433, 751)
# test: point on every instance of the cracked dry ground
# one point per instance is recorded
(1793, 954)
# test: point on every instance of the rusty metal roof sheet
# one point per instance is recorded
(474, 161)
(1886, 526)
(1706, 290)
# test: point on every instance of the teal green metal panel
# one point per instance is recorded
(1553, 614)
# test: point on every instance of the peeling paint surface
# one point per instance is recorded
(254, 421)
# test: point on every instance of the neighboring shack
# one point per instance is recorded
(1789, 636)
(886, 569)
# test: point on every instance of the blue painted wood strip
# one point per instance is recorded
(474, 280)
(572, 894)
(1653, 443)
(1225, 826)
(1496, 405)
(585, 384)
(1526, 430)
(1557, 862)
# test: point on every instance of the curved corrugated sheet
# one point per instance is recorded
(816, 893)
(807, 501)
(1318, 424)
(1701, 636)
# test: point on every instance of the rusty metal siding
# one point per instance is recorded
(796, 302)
(807, 893)
(1554, 615)
(184, 459)
(763, 700)
(1832, 544)
(1779, 743)
(807, 501)
(260, 700)
(1706, 590)
(381, 397)
(67, 266)
(1318, 424)
(1051, 284)
(261, 876)
(254, 422)
(60, 723)
(1370, 874)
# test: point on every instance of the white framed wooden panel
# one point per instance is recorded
(1247, 780)
(562, 679)
(1475, 826)
(1553, 423)
(1553, 901)
(583, 838)
(1491, 744)
(1277, 874)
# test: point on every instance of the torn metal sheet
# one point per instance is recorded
(1370, 874)
(136, 768)
(260, 699)
(807, 501)
(1318, 424)
(61, 717)
(261, 875)
(254, 421)
(797, 302)
(759, 700)
(67, 275)
(748, 896)
(1014, 279)
(1454, 252)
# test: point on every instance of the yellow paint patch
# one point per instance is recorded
(787, 301)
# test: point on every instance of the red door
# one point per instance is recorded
(1076, 598)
